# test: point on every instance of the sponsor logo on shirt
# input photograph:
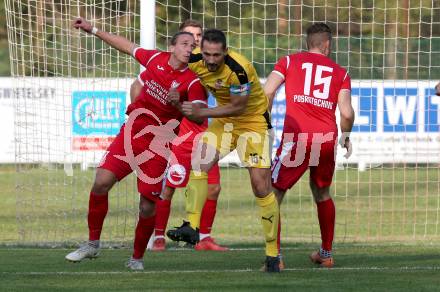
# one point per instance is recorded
(157, 91)
(218, 84)
(175, 84)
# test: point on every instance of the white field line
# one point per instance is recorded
(67, 273)
(176, 248)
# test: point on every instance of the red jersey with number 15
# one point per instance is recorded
(157, 78)
(312, 85)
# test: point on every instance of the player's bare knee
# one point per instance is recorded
(101, 187)
(320, 194)
(261, 188)
(103, 182)
(146, 207)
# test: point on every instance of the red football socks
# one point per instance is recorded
(207, 217)
(162, 215)
(98, 207)
(144, 229)
(326, 216)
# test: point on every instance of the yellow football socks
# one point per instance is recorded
(270, 214)
(196, 193)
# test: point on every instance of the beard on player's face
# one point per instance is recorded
(212, 67)
(213, 55)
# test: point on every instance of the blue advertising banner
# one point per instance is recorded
(96, 117)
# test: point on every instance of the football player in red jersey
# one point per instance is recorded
(314, 86)
(178, 174)
(143, 141)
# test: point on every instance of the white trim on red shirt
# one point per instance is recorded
(133, 53)
(192, 82)
(152, 57)
(288, 62)
(198, 101)
(279, 73)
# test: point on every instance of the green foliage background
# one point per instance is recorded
(374, 39)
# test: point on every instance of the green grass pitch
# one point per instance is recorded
(358, 268)
(386, 236)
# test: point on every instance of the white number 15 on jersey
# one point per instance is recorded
(318, 80)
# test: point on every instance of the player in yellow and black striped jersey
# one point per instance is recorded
(234, 80)
(236, 76)
(240, 122)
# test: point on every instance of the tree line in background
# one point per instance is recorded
(374, 39)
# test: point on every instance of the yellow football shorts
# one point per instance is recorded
(250, 137)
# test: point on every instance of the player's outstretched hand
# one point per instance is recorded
(81, 23)
(174, 97)
(346, 143)
(437, 89)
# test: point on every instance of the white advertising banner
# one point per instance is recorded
(396, 122)
(66, 120)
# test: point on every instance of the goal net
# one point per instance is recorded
(71, 90)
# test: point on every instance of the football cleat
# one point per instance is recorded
(135, 264)
(84, 252)
(316, 258)
(209, 244)
(281, 265)
(272, 264)
(159, 244)
(184, 233)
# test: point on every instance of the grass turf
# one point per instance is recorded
(44, 206)
(358, 267)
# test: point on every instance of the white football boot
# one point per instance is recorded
(135, 264)
(84, 252)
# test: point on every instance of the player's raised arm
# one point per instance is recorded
(347, 119)
(273, 82)
(118, 42)
(236, 107)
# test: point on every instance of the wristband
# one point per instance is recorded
(94, 30)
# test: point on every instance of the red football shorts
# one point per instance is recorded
(150, 174)
(180, 166)
(295, 157)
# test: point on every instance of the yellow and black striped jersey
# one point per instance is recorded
(237, 76)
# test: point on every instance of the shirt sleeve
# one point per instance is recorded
(346, 81)
(143, 56)
(196, 92)
(281, 66)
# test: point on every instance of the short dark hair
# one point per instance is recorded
(214, 36)
(173, 40)
(317, 33)
(190, 22)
